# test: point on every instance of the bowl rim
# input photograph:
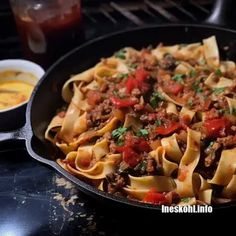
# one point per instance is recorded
(24, 66)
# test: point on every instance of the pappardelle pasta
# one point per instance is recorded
(155, 125)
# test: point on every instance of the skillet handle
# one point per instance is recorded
(18, 134)
(222, 13)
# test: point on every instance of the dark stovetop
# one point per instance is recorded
(34, 200)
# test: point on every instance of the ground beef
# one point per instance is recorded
(211, 154)
(100, 113)
(168, 62)
(151, 166)
(116, 182)
(228, 141)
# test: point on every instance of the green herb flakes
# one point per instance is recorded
(122, 76)
(155, 99)
(185, 199)
(218, 90)
(118, 132)
(193, 73)
(218, 72)
(142, 132)
(196, 88)
(133, 66)
(120, 54)
(178, 78)
(158, 122)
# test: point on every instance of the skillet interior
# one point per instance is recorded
(46, 98)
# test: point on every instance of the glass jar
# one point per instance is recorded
(47, 28)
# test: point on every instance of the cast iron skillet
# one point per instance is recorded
(46, 97)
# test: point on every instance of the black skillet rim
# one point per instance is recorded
(83, 186)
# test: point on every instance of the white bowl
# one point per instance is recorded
(14, 117)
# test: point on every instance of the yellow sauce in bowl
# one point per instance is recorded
(15, 88)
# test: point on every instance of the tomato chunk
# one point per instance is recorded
(155, 197)
(174, 88)
(131, 157)
(119, 103)
(217, 127)
(93, 97)
(169, 129)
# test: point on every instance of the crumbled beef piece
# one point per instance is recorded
(116, 182)
(168, 62)
(211, 154)
(228, 141)
(100, 113)
(151, 166)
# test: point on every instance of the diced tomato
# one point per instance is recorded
(155, 197)
(169, 129)
(141, 75)
(130, 84)
(138, 81)
(93, 97)
(85, 161)
(182, 174)
(132, 149)
(61, 114)
(185, 121)
(174, 88)
(143, 146)
(138, 144)
(217, 127)
(119, 103)
(131, 157)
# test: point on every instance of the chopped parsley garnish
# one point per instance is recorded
(218, 72)
(202, 62)
(193, 73)
(234, 111)
(121, 54)
(218, 90)
(221, 112)
(211, 144)
(158, 122)
(196, 87)
(141, 167)
(190, 103)
(155, 99)
(178, 78)
(133, 66)
(185, 199)
(120, 142)
(142, 132)
(118, 132)
(122, 75)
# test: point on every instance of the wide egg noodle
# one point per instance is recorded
(226, 168)
(171, 108)
(221, 83)
(188, 164)
(232, 104)
(53, 128)
(168, 166)
(229, 190)
(139, 186)
(86, 76)
(171, 147)
(211, 52)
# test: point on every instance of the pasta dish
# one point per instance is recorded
(156, 125)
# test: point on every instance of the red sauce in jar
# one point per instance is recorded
(45, 38)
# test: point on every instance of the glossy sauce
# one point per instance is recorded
(46, 36)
